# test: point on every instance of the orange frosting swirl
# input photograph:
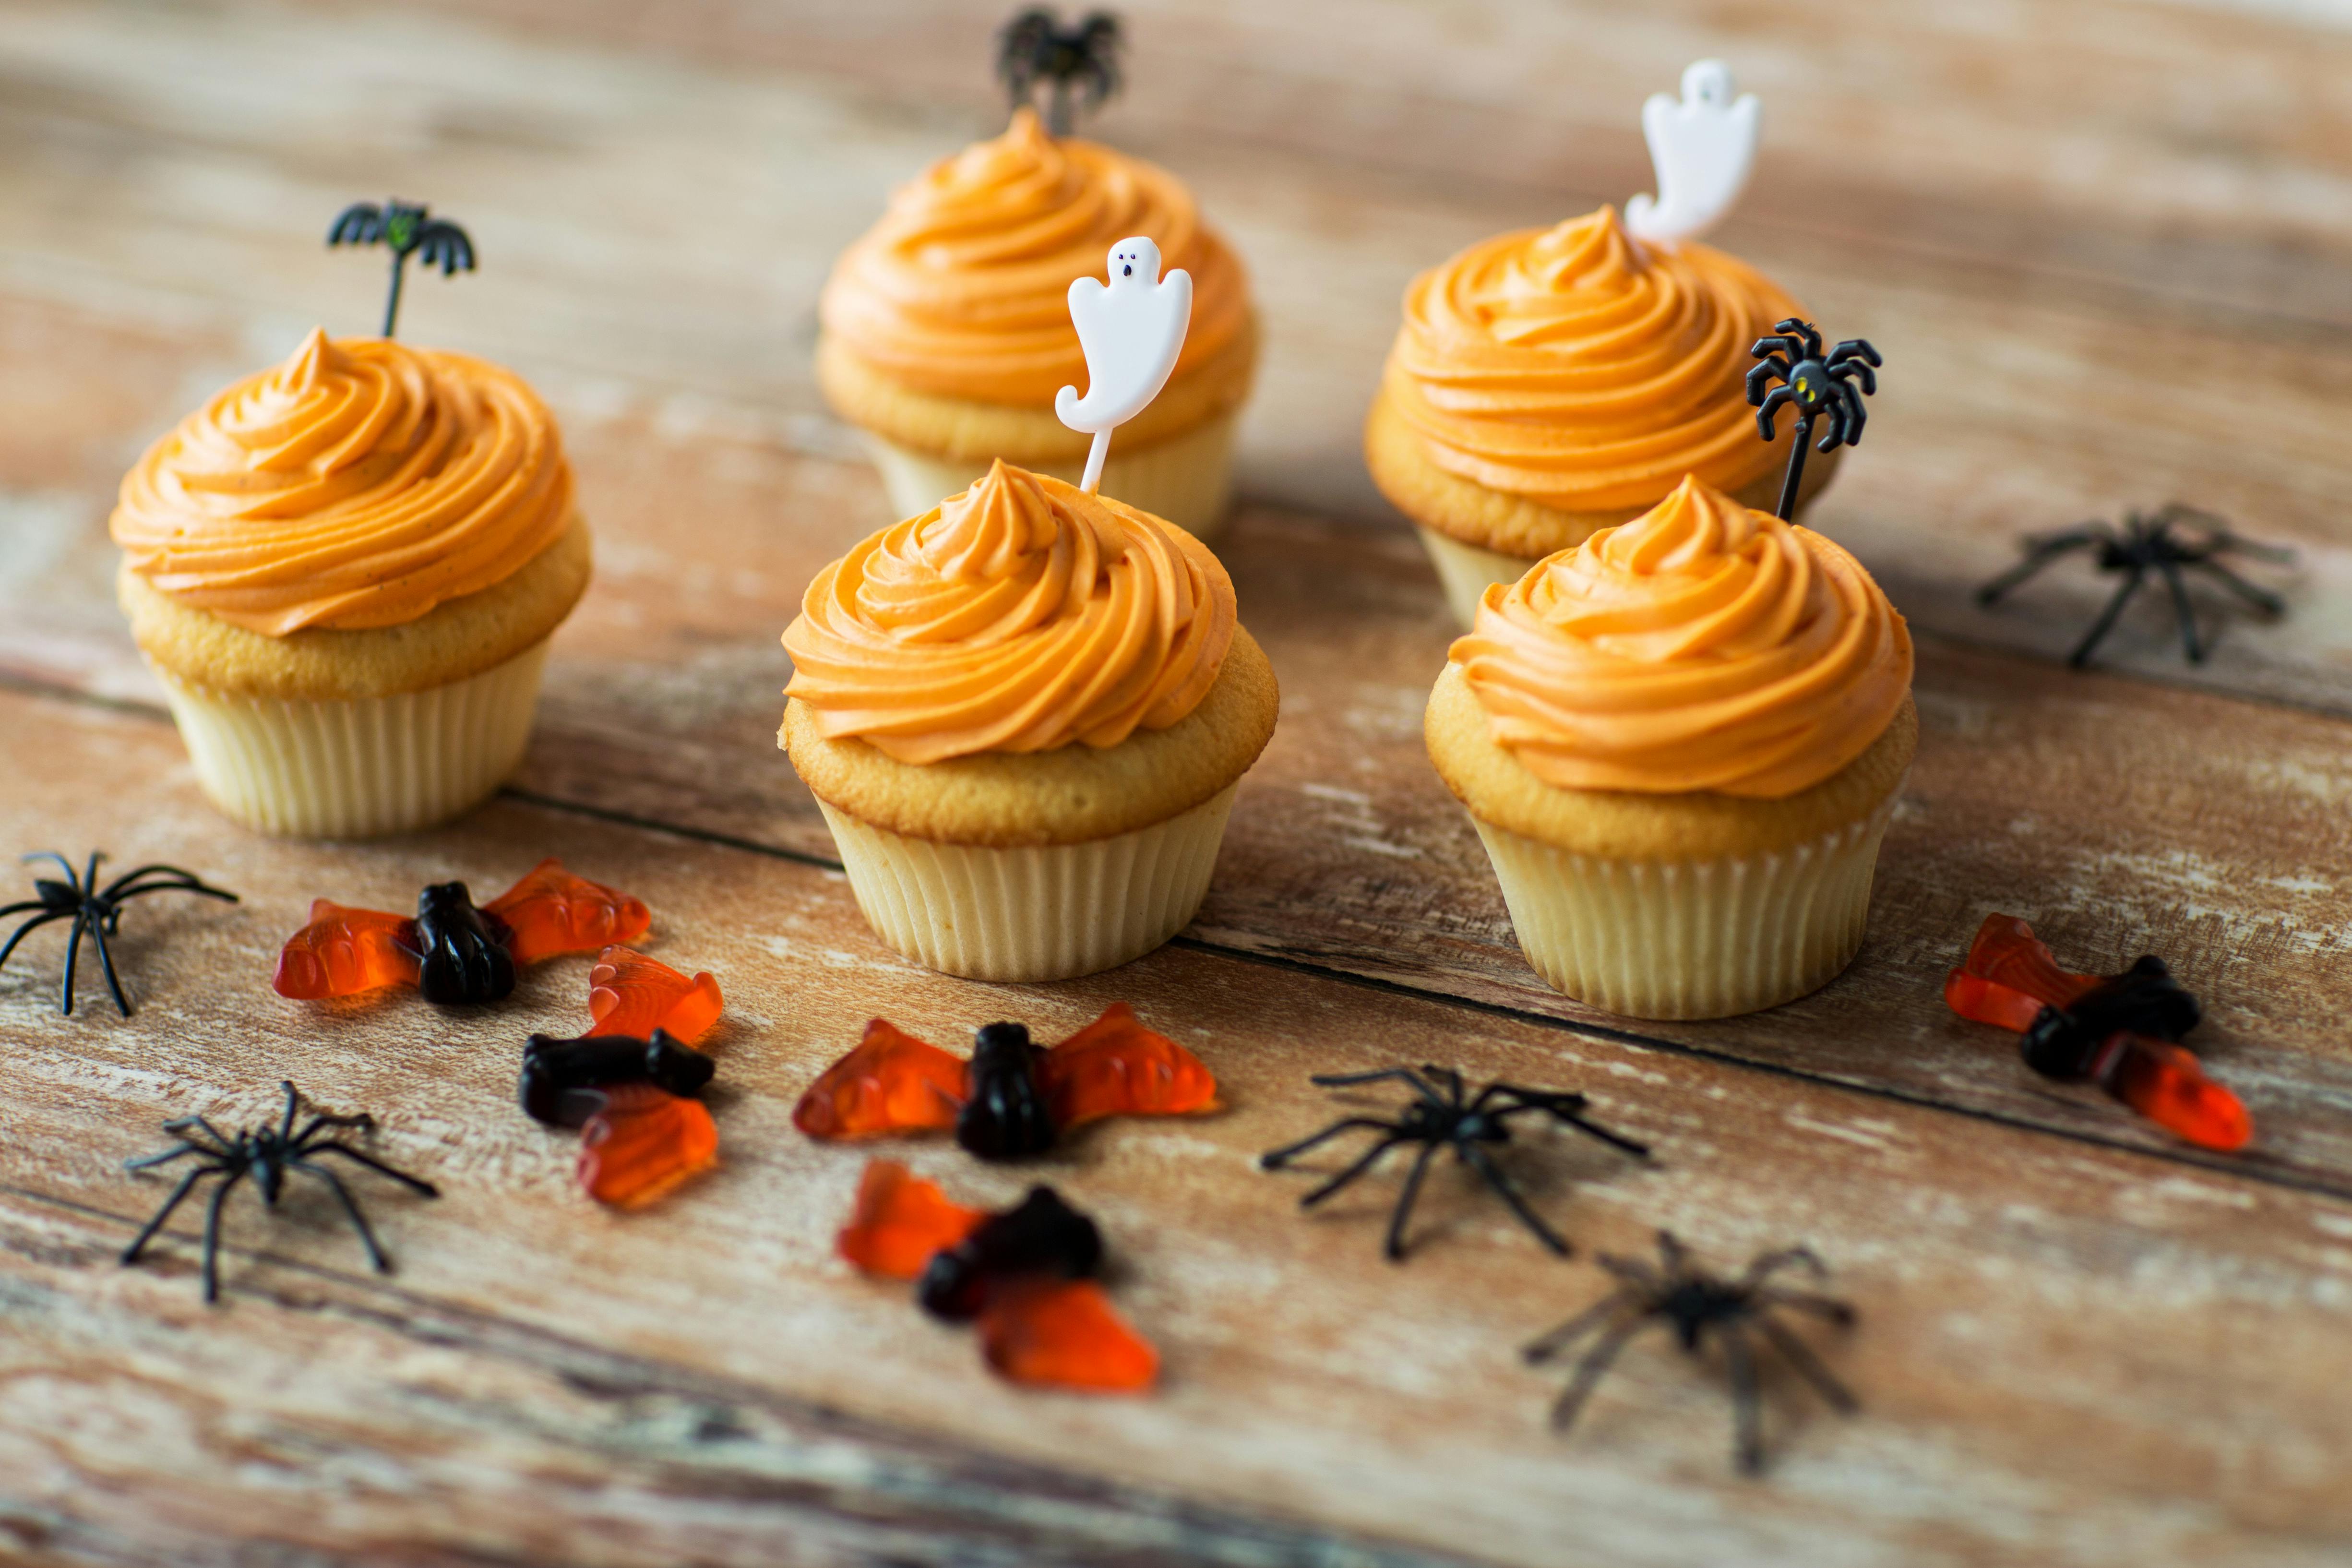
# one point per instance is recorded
(1019, 615)
(962, 289)
(359, 484)
(1581, 369)
(1701, 647)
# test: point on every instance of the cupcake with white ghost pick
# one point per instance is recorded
(1025, 711)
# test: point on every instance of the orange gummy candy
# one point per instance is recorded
(552, 911)
(1115, 1067)
(1064, 1333)
(643, 1143)
(899, 1220)
(344, 952)
(892, 1082)
(629, 994)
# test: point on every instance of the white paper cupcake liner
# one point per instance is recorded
(1188, 480)
(1466, 571)
(1693, 939)
(1052, 912)
(358, 769)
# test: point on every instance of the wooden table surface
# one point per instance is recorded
(2105, 247)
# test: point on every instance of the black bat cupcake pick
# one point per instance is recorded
(1080, 63)
(1815, 384)
(405, 230)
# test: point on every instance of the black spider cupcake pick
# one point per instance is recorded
(2146, 542)
(405, 230)
(1451, 1118)
(95, 911)
(266, 1153)
(1816, 385)
(1698, 1305)
(1080, 63)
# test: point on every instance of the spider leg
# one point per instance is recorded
(321, 1123)
(1747, 1408)
(1634, 1271)
(413, 1184)
(1856, 415)
(376, 1258)
(30, 925)
(2099, 630)
(1564, 1109)
(1800, 1355)
(81, 923)
(1590, 1370)
(1451, 1079)
(203, 889)
(1778, 397)
(1274, 1159)
(2262, 599)
(212, 1238)
(1401, 1075)
(1764, 1265)
(1478, 1161)
(1828, 1307)
(1614, 1140)
(148, 1161)
(293, 1103)
(2181, 608)
(89, 878)
(1363, 1163)
(106, 963)
(124, 880)
(72, 881)
(1856, 357)
(1394, 1245)
(147, 1232)
(1766, 367)
(2276, 554)
(1546, 1346)
(2038, 552)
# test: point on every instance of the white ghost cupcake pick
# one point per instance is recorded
(1702, 145)
(1131, 332)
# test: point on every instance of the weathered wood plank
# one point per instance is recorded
(655, 232)
(2115, 1360)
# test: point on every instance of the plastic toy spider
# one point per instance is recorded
(1081, 62)
(266, 1153)
(2146, 542)
(406, 230)
(1814, 384)
(1697, 1304)
(1436, 1119)
(95, 911)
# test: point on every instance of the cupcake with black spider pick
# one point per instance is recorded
(944, 337)
(1681, 742)
(1550, 383)
(346, 571)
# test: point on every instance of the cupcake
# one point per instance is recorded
(1025, 713)
(946, 331)
(345, 572)
(1553, 382)
(1682, 741)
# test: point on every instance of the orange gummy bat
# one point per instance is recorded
(629, 994)
(1024, 1275)
(1011, 1098)
(451, 950)
(643, 1143)
(344, 952)
(550, 911)
(2120, 1032)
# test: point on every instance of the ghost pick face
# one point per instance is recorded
(1135, 259)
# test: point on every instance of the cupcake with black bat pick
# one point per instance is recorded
(943, 334)
(1550, 383)
(345, 569)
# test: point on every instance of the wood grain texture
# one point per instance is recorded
(2050, 1332)
(2106, 267)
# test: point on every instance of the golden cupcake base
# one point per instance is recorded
(1691, 939)
(1187, 479)
(1040, 912)
(359, 769)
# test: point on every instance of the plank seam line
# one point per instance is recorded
(1527, 1015)
(815, 1419)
